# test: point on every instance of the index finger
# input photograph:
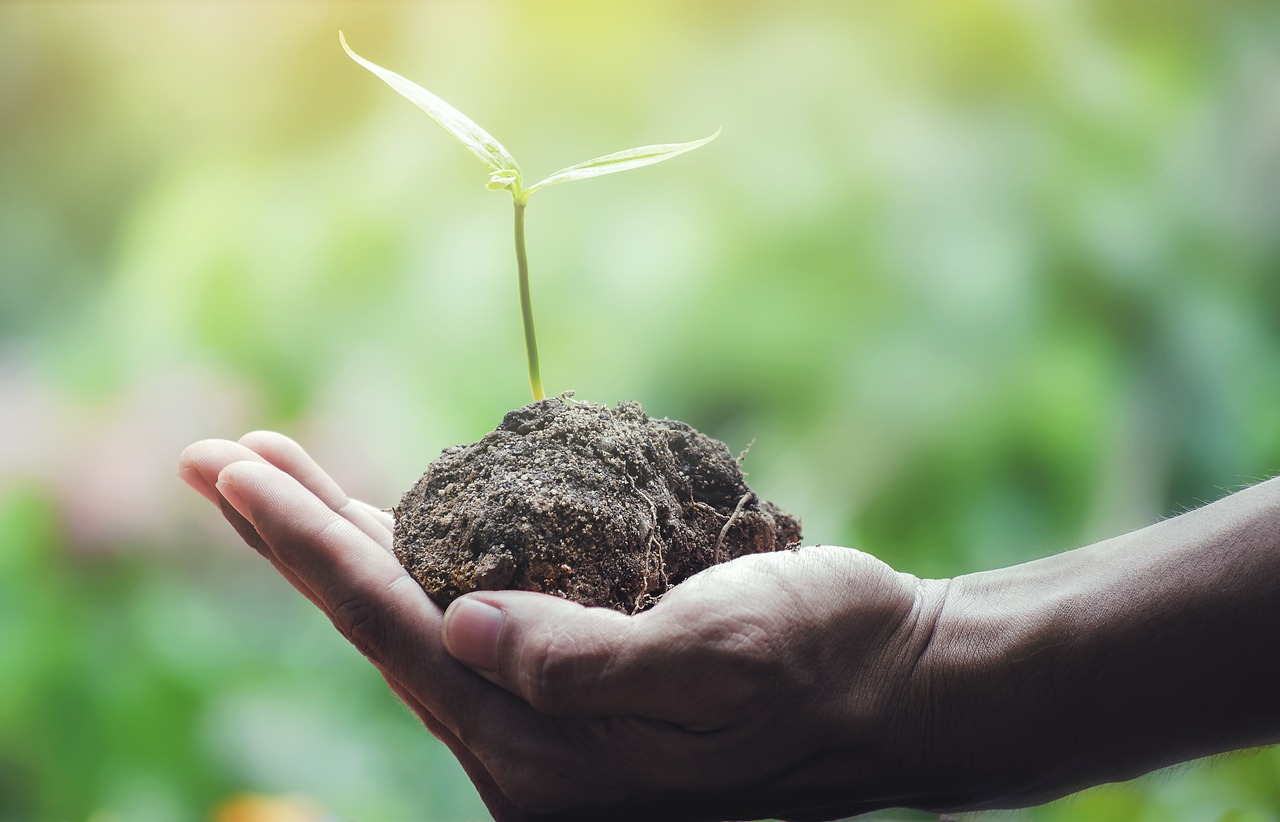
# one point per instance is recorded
(290, 457)
(368, 595)
(363, 588)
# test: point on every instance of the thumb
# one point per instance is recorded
(560, 657)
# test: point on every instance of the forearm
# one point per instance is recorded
(1106, 662)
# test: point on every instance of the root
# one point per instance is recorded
(648, 553)
(724, 530)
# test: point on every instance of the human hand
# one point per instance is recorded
(336, 552)
(777, 684)
(781, 684)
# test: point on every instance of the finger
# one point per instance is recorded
(366, 593)
(355, 579)
(552, 653)
(200, 462)
(382, 515)
(191, 476)
(288, 456)
(205, 460)
(199, 466)
(381, 610)
(568, 660)
(728, 638)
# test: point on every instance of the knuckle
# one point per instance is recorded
(333, 528)
(360, 621)
(747, 659)
(550, 671)
(740, 644)
(369, 617)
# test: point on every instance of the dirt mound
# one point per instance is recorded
(606, 507)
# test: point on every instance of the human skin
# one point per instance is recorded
(807, 684)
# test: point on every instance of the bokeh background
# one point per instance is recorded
(982, 281)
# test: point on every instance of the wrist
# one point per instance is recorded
(1101, 664)
(880, 727)
(987, 677)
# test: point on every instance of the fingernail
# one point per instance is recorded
(231, 495)
(471, 630)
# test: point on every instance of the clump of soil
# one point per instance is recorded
(606, 507)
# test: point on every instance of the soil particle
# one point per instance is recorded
(604, 506)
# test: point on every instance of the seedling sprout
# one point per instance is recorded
(505, 174)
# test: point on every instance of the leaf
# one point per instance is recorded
(620, 161)
(478, 141)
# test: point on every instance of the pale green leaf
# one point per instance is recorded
(620, 161)
(476, 139)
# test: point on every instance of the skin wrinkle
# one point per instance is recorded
(720, 650)
(355, 513)
(969, 645)
(918, 675)
(758, 651)
(615, 667)
(334, 527)
(907, 666)
(359, 621)
(550, 672)
(920, 620)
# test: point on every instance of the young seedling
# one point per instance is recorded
(505, 174)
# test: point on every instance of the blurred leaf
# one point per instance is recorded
(258, 808)
(1240, 815)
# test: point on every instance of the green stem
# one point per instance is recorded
(526, 305)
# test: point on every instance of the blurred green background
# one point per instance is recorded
(983, 280)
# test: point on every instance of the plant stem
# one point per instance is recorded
(526, 305)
